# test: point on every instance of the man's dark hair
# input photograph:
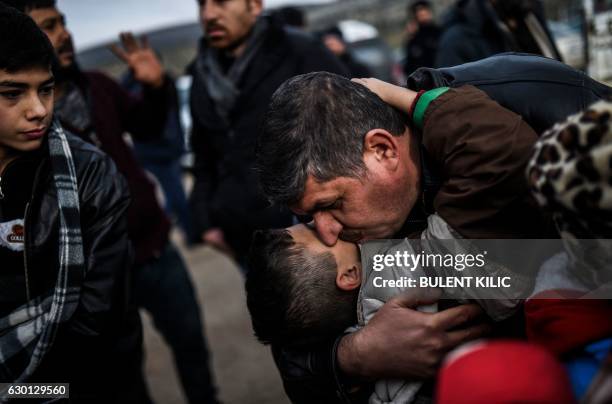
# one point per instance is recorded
(414, 6)
(333, 30)
(292, 294)
(315, 125)
(291, 16)
(22, 44)
(28, 5)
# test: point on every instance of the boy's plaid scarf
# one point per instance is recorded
(29, 331)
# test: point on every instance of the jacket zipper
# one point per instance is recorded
(26, 232)
(1, 193)
(25, 253)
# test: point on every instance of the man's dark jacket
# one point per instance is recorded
(89, 348)
(225, 193)
(113, 113)
(542, 91)
(422, 48)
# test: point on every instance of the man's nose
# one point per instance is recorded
(64, 33)
(328, 228)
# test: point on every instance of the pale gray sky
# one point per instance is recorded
(95, 21)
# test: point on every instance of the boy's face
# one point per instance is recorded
(26, 109)
(346, 255)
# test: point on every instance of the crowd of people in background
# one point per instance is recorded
(283, 139)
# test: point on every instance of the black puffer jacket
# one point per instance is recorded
(543, 91)
(87, 349)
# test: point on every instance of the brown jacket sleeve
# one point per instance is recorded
(481, 150)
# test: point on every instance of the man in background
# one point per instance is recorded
(422, 45)
(243, 58)
(333, 39)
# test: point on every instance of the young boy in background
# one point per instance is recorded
(63, 238)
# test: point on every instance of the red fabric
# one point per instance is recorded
(502, 372)
(561, 322)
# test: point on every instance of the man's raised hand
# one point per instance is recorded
(139, 56)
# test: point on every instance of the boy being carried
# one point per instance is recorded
(300, 291)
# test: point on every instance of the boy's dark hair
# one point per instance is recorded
(315, 125)
(28, 5)
(292, 294)
(22, 44)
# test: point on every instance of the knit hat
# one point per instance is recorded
(498, 372)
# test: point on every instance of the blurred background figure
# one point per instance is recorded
(333, 39)
(422, 44)
(291, 17)
(475, 29)
(162, 158)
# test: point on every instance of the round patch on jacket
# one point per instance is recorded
(12, 235)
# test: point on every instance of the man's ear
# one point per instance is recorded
(348, 279)
(381, 147)
(256, 6)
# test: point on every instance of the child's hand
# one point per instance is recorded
(398, 97)
(381, 88)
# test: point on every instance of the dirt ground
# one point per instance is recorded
(244, 369)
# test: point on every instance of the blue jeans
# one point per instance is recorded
(162, 287)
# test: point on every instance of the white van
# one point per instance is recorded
(598, 14)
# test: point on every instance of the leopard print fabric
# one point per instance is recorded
(570, 172)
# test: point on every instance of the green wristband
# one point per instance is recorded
(423, 103)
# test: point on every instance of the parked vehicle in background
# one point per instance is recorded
(598, 14)
(569, 38)
(183, 88)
